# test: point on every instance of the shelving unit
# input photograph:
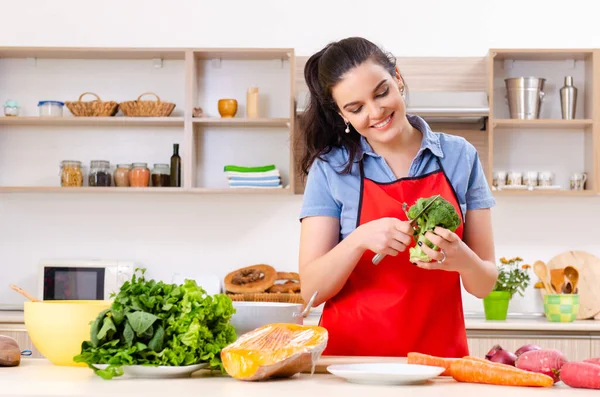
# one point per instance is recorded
(548, 143)
(31, 147)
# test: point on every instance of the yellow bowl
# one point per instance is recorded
(58, 328)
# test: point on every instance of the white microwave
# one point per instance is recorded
(82, 279)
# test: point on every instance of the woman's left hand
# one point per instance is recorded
(453, 254)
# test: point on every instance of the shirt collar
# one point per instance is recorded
(430, 140)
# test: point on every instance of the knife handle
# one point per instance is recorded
(377, 258)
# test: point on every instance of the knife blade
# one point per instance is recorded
(379, 257)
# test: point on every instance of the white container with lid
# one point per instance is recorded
(50, 108)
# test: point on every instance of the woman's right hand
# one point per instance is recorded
(387, 236)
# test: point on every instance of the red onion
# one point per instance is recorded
(526, 348)
(498, 355)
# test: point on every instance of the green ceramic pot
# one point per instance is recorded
(562, 308)
(495, 305)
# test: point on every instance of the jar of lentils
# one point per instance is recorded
(99, 173)
(70, 173)
(139, 175)
(121, 175)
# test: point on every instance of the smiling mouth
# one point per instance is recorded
(384, 123)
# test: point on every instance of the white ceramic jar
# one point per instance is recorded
(50, 108)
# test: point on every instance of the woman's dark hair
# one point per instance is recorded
(321, 124)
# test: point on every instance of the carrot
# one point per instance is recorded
(432, 361)
(476, 371)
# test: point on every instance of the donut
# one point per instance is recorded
(288, 276)
(287, 287)
(250, 279)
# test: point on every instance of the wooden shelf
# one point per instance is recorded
(237, 122)
(92, 121)
(243, 54)
(575, 193)
(138, 190)
(541, 54)
(92, 53)
(540, 123)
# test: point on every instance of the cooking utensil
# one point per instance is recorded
(588, 267)
(379, 257)
(24, 293)
(567, 288)
(541, 271)
(572, 275)
(557, 279)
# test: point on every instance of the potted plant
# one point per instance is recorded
(512, 278)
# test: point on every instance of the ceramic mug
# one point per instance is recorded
(499, 179)
(515, 178)
(530, 178)
(546, 178)
(578, 180)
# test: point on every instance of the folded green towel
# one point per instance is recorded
(237, 168)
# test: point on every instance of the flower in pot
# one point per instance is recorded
(512, 278)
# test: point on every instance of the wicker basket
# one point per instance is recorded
(140, 108)
(267, 297)
(95, 108)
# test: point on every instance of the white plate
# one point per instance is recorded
(386, 373)
(554, 187)
(514, 187)
(163, 371)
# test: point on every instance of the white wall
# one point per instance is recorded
(192, 234)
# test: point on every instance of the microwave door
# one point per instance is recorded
(73, 283)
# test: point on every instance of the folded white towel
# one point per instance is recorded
(252, 174)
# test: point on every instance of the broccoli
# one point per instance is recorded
(441, 213)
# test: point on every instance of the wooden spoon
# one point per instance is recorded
(24, 293)
(541, 271)
(573, 275)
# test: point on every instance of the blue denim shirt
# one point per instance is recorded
(329, 193)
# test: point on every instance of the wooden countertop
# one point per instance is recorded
(36, 377)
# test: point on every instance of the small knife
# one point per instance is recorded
(379, 257)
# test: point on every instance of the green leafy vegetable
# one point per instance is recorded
(441, 213)
(154, 323)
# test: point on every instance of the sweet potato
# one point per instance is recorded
(593, 361)
(545, 361)
(10, 353)
(581, 375)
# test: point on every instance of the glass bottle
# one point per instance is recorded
(139, 175)
(99, 173)
(161, 176)
(121, 175)
(175, 167)
(70, 173)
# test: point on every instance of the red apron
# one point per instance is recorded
(395, 307)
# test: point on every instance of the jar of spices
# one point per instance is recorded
(139, 175)
(99, 173)
(70, 173)
(121, 175)
(161, 175)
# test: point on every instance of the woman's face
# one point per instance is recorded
(370, 99)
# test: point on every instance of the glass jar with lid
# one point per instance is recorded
(161, 175)
(139, 175)
(121, 175)
(70, 173)
(99, 173)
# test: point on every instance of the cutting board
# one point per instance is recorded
(325, 361)
(588, 266)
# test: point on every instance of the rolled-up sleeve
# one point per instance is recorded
(318, 197)
(478, 193)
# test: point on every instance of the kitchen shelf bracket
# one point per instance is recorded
(570, 63)
(32, 61)
(508, 63)
(157, 63)
(216, 63)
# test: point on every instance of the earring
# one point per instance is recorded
(402, 91)
(347, 130)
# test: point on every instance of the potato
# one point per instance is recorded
(10, 353)
(545, 361)
(581, 375)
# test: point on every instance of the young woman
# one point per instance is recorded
(366, 157)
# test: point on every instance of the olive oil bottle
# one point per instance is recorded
(175, 167)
